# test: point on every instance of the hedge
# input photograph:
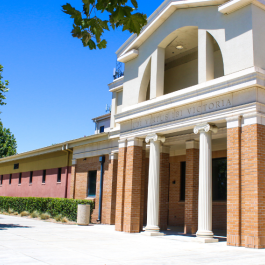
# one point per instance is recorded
(53, 206)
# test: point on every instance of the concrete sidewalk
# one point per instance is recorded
(29, 241)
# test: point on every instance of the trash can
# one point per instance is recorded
(83, 214)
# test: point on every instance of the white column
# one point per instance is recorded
(204, 232)
(205, 56)
(152, 227)
(113, 109)
(157, 73)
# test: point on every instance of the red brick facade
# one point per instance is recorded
(132, 198)
(246, 186)
(164, 190)
(191, 191)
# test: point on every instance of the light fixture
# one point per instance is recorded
(179, 47)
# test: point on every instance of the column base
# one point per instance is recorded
(149, 233)
(206, 240)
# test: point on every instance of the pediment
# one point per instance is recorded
(162, 13)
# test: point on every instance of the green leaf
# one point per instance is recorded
(134, 3)
(102, 44)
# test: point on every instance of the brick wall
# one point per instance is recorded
(191, 191)
(82, 168)
(176, 207)
(253, 186)
(132, 198)
(120, 189)
(164, 191)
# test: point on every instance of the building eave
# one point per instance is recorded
(234, 5)
(57, 147)
(102, 117)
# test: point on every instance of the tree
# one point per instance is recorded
(3, 87)
(89, 27)
(8, 144)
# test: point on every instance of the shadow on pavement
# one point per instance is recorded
(6, 226)
(178, 231)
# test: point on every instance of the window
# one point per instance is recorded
(1, 180)
(16, 166)
(59, 175)
(92, 180)
(101, 129)
(43, 176)
(182, 180)
(10, 179)
(19, 178)
(30, 177)
(219, 173)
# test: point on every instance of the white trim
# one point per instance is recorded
(113, 156)
(134, 142)
(116, 84)
(128, 56)
(227, 84)
(192, 144)
(253, 118)
(122, 143)
(158, 17)
(233, 122)
(188, 123)
(234, 5)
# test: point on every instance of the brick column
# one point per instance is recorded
(73, 180)
(132, 199)
(164, 188)
(110, 190)
(253, 181)
(234, 181)
(192, 186)
(120, 186)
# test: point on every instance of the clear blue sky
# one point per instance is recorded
(56, 85)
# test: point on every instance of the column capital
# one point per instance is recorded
(205, 127)
(154, 137)
(233, 121)
(113, 155)
(134, 141)
(122, 143)
(192, 144)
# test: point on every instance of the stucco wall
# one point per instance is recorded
(258, 36)
(38, 162)
(37, 189)
(233, 34)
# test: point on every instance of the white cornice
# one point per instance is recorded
(243, 79)
(158, 17)
(116, 85)
(232, 6)
(132, 54)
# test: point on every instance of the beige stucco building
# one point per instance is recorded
(184, 144)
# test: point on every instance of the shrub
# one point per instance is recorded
(45, 216)
(24, 213)
(34, 214)
(15, 213)
(64, 220)
(53, 206)
(58, 218)
(10, 210)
